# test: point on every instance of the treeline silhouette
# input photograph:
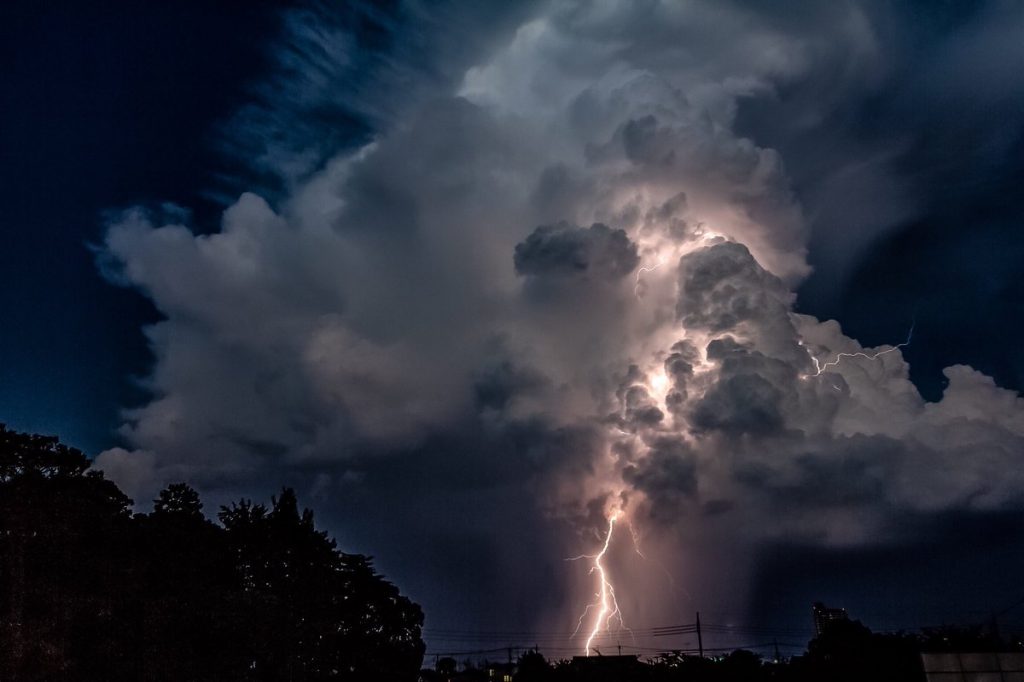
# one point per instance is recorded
(91, 591)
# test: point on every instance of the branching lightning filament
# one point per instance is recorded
(606, 607)
(820, 367)
(646, 268)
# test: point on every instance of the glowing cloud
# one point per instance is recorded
(563, 277)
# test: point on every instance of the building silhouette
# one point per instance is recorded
(607, 668)
(823, 615)
(973, 667)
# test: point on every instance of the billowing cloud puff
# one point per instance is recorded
(398, 322)
(667, 477)
(565, 251)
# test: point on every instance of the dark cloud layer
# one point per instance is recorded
(907, 166)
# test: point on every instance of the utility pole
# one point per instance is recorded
(700, 640)
(995, 626)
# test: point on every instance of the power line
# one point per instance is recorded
(628, 647)
(632, 633)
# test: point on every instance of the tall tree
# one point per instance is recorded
(184, 583)
(314, 612)
(63, 562)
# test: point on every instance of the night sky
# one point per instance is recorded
(474, 277)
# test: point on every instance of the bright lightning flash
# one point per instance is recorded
(606, 606)
(669, 252)
(659, 383)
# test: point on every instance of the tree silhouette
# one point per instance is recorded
(180, 501)
(90, 592)
(847, 650)
(63, 546)
(447, 666)
(533, 667)
(183, 586)
(314, 612)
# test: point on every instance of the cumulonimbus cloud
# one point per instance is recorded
(569, 251)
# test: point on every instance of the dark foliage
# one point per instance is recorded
(90, 592)
(533, 668)
(847, 650)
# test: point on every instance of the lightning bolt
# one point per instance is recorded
(636, 541)
(640, 553)
(646, 268)
(606, 606)
(821, 367)
(674, 248)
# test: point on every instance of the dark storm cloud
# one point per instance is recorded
(749, 394)
(567, 251)
(848, 472)
(641, 410)
(678, 366)
(667, 478)
(961, 561)
(743, 403)
(558, 187)
(722, 286)
(645, 143)
(497, 386)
